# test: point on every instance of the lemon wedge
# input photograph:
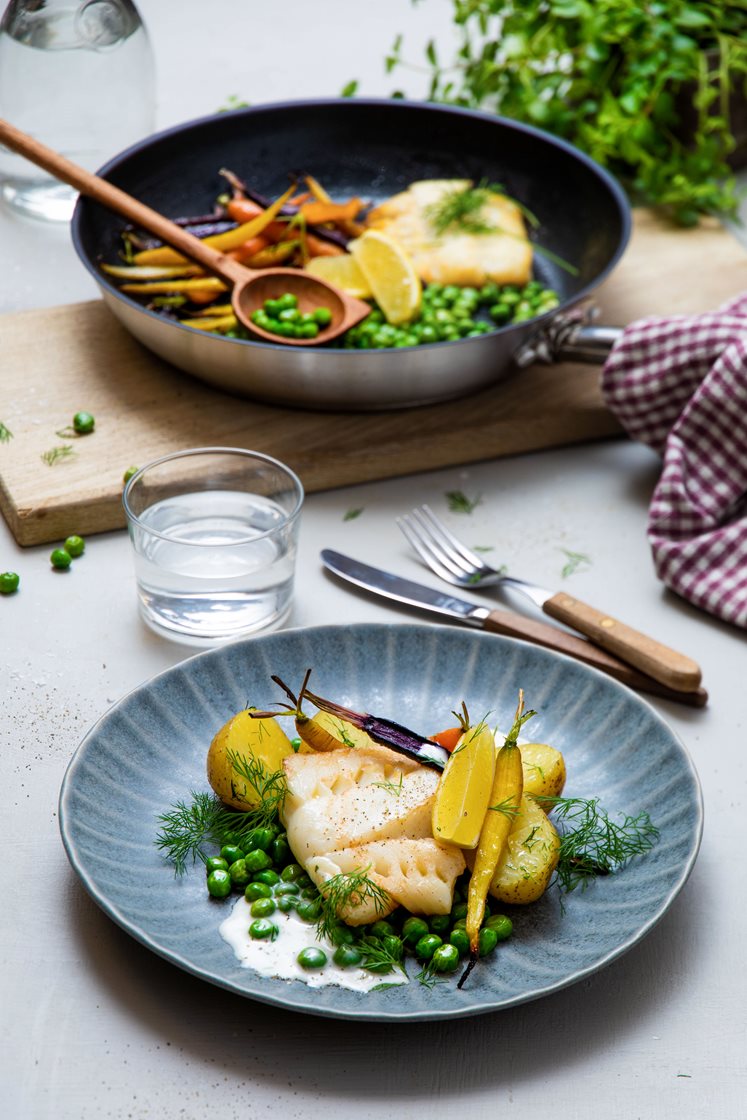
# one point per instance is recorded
(463, 793)
(390, 274)
(344, 272)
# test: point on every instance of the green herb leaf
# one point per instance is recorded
(58, 454)
(574, 562)
(350, 89)
(348, 890)
(460, 503)
(351, 514)
(5, 433)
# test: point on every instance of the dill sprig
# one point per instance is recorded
(462, 208)
(574, 562)
(591, 843)
(58, 454)
(263, 790)
(5, 433)
(380, 954)
(348, 890)
(189, 827)
(393, 787)
(460, 503)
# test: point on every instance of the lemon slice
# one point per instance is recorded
(344, 272)
(463, 793)
(390, 274)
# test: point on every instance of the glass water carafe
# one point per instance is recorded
(80, 78)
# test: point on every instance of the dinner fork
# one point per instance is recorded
(450, 559)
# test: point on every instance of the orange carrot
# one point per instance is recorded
(243, 209)
(249, 249)
(448, 738)
(317, 213)
(318, 247)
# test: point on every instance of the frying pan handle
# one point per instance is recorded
(569, 338)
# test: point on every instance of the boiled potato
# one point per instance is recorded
(530, 859)
(263, 739)
(544, 770)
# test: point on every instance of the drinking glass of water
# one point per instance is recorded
(214, 533)
(79, 76)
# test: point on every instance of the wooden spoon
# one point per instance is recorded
(250, 286)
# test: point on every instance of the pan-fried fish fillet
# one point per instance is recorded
(456, 256)
(370, 809)
(416, 874)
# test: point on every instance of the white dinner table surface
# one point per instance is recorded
(93, 1026)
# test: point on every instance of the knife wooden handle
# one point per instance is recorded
(539, 633)
(656, 660)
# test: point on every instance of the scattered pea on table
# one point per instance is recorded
(9, 582)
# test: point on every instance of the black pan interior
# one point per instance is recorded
(374, 149)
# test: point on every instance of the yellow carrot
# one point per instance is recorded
(216, 323)
(224, 242)
(503, 806)
(157, 287)
(151, 272)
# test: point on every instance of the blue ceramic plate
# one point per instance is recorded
(149, 751)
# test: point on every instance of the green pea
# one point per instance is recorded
(219, 884)
(75, 546)
(285, 888)
(83, 423)
(262, 907)
(427, 945)
(60, 559)
(501, 925)
(291, 872)
(459, 939)
(312, 958)
(280, 849)
(440, 923)
(500, 313)
(272, 307)
(487, 941)
(450, 293)
(262, 929)
(286, 902)
(347, 956)
(9, 583)
(428, 334)
(308, 910)
(240, 874)
(307, 330)
(296, 744)
(268, 876)
(286, 301)
(459, 911)
(323, 316)
(261, 839)
(460, 923)
(215, 863)
(393, 946)
(509, 297)
(343, 935)
(445, 958)
(258, 860)
(413, 929)
(231, 852)
(257, 890)
(129, 473)
(289, 315)
(309, 892)
(381, 928)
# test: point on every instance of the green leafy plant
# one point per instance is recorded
(644, 88)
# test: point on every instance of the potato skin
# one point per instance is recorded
(530, 858)
(544, 770)
(263, 739)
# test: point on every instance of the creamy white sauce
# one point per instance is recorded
(278, 958)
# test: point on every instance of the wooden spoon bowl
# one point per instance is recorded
(249, 287)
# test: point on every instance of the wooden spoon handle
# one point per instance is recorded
(550, 637)
(659, 661)
(122, 203)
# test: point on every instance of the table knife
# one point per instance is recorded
(440, 603)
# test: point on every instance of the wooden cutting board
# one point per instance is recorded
(56, 361)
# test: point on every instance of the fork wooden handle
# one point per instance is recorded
(550, 637)
(665, 665)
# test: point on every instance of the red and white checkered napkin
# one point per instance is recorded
(679, 384)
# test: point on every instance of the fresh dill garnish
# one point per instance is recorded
(348, 890)
(574, 562)
(5, 433)
(263, 790)
(591, 844)
(57, 454)
(380, 954)
(460, 503)
(462, 208)
(508, 807)
(393, 787)
(427, 976)
(189, 827)
(351, 514)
